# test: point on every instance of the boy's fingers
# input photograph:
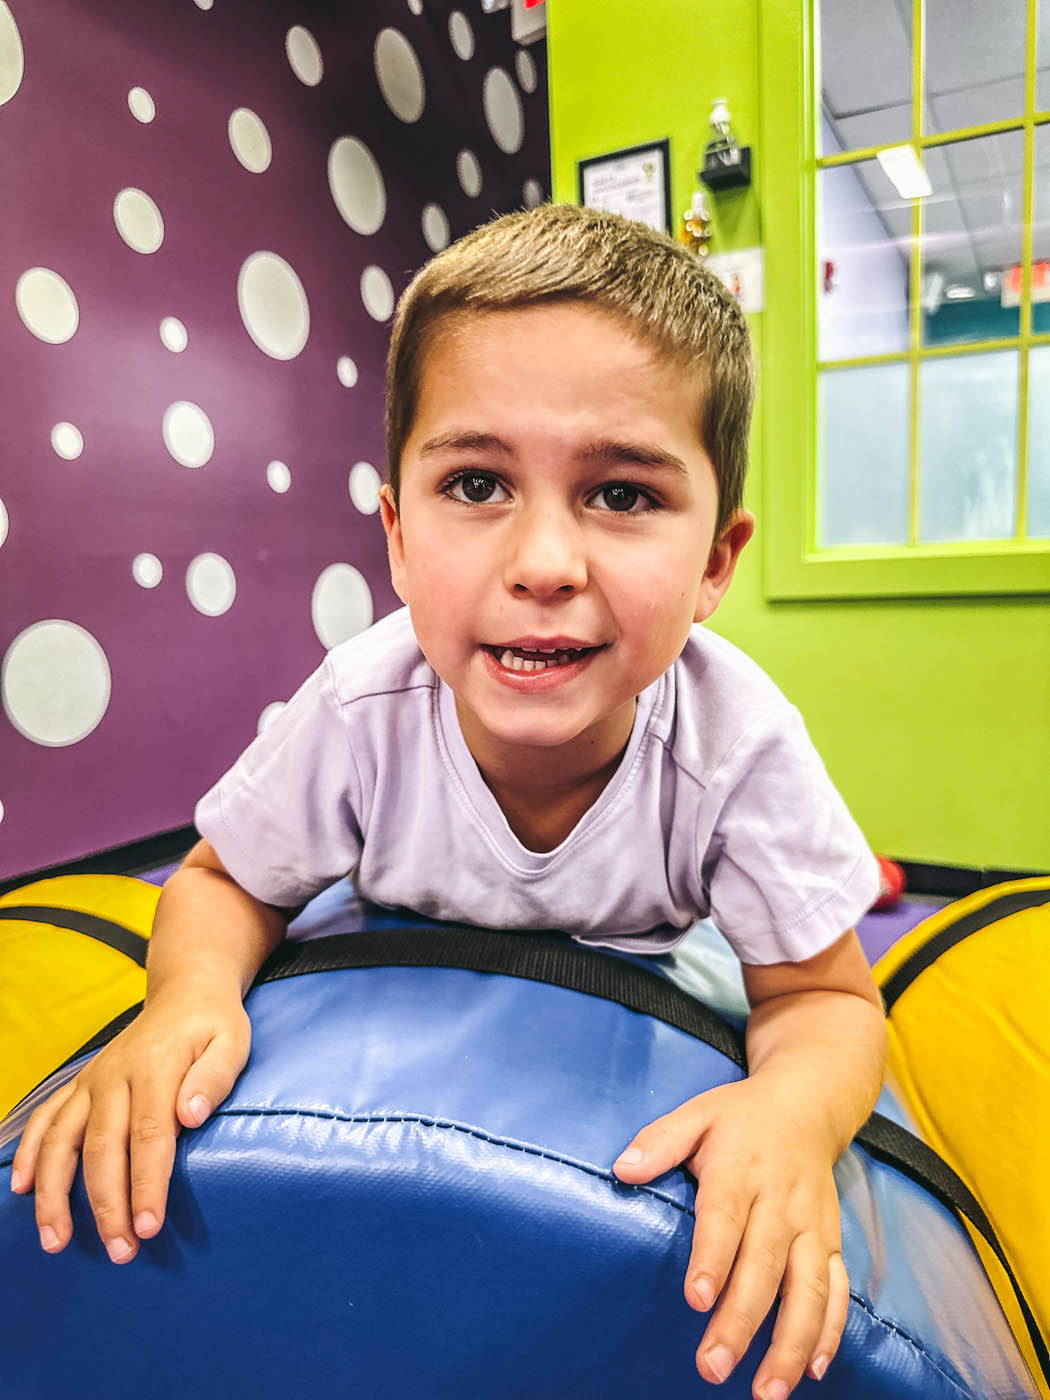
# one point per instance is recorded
(153, 1129)
(663, 1144)
(800, 1319)
(210, 1078)
(56, 1165)
(750, 1293)
(834, 1318)
(104, 1157)
(721, 1218)
(23, 1168)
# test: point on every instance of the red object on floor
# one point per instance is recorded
(892, 883)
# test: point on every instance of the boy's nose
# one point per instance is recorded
(546, 555)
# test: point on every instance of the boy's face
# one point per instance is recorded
(554, 534)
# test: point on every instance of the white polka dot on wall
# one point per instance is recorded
(377, 293)
(436, 232)
(188, 434)
(416, 6)
(304, 55)
(204, 4)
(12, 61)
(143, 108)
(461, 34)
(211, 584)
(364, 487)
(273, 305)
(399, 75)
(147, 570)
(532, 194)
(138, 221)
(249, 140)
(269, 714)
(356, 185)
(55, 683)
(346, 371)
(503, 110)
(278, 477)
(173, 335)
(526, 70)
(468, 172)
(47, 306)
(3, 522)
(1, 811)
(67, 440)
(341, 604)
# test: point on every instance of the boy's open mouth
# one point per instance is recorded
(519, 659)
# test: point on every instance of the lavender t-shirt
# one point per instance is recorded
(720, 806)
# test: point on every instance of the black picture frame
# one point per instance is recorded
(623, 189)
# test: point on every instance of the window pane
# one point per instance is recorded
(863, 239)
(1039, 442)
(1041, 231)
(968, 451)
(864, 456)
(1042, 80)
(865, 61)
(972, 239)
(975, 56)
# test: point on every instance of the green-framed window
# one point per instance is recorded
(906, 375)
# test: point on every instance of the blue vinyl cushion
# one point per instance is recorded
(409, 1193)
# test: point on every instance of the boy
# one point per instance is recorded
(568, 403)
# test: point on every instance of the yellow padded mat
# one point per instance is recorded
(60, 986)
(968, 997)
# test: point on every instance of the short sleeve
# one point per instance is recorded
(787, 870)
(283, 820)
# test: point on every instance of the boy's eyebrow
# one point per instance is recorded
(462, 442)
(636, 454)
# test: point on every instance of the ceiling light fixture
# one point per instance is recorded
(902, 165)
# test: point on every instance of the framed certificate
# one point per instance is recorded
(634, 182)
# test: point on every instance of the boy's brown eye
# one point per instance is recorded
(476, 487)
(621, 498)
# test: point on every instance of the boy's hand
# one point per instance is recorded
(767, 1221)
(122, 1113)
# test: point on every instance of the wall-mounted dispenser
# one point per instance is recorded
(727, 164)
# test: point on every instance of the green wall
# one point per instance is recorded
(933, 715)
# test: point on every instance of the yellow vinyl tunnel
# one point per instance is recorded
(967, 993)
(73, 950)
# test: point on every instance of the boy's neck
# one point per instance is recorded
(544, 792)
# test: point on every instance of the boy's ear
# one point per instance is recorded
(722, 561)
(395, 543)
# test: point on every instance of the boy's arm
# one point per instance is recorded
(767, 1217)
(170, 1068)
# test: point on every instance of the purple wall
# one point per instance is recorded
(122, 702)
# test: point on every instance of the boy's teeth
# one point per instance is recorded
(515, 662)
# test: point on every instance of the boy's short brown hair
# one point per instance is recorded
(564, 252)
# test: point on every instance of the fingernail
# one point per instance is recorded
(720, 1362)
(820, 1366)
(776, 1390)
(705, 1291)
(119, 1250)
(145, 1223)
(199, 1108)
(48, 1239)
(631, 1156)
(16, 1181)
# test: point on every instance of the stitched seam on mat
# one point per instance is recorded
(428, 1122)
(907, 1337)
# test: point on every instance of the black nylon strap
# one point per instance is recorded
(954, 933)
(113, 935)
